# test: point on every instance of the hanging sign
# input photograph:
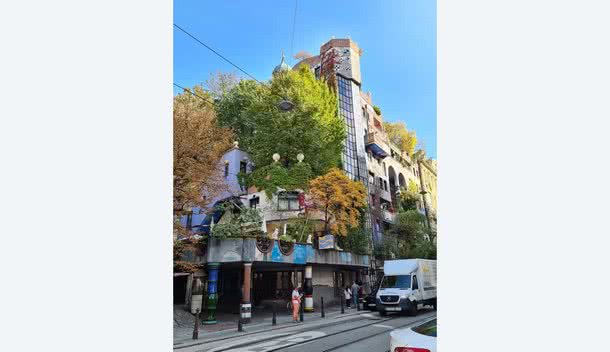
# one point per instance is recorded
(327, 242)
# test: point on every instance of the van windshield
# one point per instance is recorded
(396, 281)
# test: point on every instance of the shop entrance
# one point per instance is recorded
(274, 286)
(230, 283)
(180, 288)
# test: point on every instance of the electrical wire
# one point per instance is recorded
(198, 96)
(215, 52)
(229, 61)
(294, 23)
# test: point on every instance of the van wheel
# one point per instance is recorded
(413, 308)
(382, 313)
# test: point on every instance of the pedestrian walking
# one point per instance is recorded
(296, 302)
(348, 295)
(355, 289)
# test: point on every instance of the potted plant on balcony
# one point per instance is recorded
(264, 243)
(286, 244)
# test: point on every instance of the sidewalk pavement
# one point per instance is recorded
(261, 322)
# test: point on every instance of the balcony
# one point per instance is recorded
(389, 216)
(383, 194)
(375, 144)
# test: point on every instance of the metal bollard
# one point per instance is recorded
(357, 303)
(196, 328)
(322, 306)
(301, 313)
(240, 325)
(342, 305)
(274, 321)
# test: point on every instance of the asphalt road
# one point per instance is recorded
(370, 333)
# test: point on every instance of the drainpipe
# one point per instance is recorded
(423, 193)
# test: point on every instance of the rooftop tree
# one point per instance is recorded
(313, 127)
(399, 135)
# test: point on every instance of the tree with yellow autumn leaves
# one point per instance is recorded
(398, 134)
(339, 199)
(199, 144)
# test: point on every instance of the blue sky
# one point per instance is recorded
(398, 39)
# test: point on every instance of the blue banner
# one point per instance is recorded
(327, 242)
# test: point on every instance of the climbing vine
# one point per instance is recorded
(275, 176)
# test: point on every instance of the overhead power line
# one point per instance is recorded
(294, 23)
(198, 96)
(216, 52)
(239, 68)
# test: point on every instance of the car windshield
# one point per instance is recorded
(396, 281)
(427, 328)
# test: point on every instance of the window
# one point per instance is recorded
(317, 72)
(366, 132)
(385, 172)
(254, 201)
(288, 201)
(353, 166)
(189, 221)
(396, 281)
(415, 286)
(226, 168)
(243, 165)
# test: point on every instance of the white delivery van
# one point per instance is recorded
(406, 286)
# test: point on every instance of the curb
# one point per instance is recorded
(349, 316)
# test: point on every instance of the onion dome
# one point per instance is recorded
(283, 66)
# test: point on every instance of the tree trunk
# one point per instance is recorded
(325, 220)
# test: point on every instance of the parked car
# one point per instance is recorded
(421, 338)
(406, 286)
(370, 301)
